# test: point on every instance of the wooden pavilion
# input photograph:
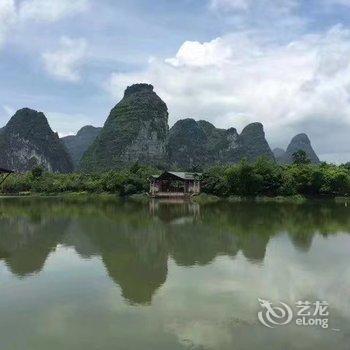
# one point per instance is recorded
(175, 184)
(4, 174)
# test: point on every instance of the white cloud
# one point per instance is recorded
(230, 4)
(50, 10)
(12, 12)
(272, 5)
(193, 53)
(300, 86)
(65, 62)
(7, 18)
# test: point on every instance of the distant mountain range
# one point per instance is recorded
(77, 145)
(192, 144)
(136, 130)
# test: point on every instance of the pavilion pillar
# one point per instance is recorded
(4, 178)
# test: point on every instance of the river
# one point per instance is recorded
(91, 273)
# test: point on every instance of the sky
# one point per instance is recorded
(284, 63)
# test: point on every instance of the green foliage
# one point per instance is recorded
(300, 157)
(336, 181)
(37, 172)
(124, 182)
(214, 182)
(204, 198)
(244, 180)
(270, 175)
(266, 178)
(263, 178)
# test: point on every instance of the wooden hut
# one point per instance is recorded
(4, 174)
(175, 184)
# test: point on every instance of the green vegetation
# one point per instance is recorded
(264, 179)
(123, 182)
(204, 198)
(300, 157)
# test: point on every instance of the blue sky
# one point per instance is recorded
(285, 63)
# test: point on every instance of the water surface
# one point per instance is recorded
(105, 274)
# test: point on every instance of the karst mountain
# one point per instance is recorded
(136, 131)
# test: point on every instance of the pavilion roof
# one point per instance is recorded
(5, 171)
(178, 174)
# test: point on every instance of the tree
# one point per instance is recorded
(37, 172)
(214, 182)
(300, 157)
(271, 176)
(243, 180)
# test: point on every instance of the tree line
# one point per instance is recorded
(266, 178)
(262, 178)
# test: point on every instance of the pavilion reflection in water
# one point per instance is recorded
(174, 210)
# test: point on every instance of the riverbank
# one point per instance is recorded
(201, 199)
(296, 199)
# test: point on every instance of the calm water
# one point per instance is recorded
(112, 275)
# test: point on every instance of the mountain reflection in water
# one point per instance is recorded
(135, 241)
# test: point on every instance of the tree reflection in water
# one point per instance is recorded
(135, 241)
